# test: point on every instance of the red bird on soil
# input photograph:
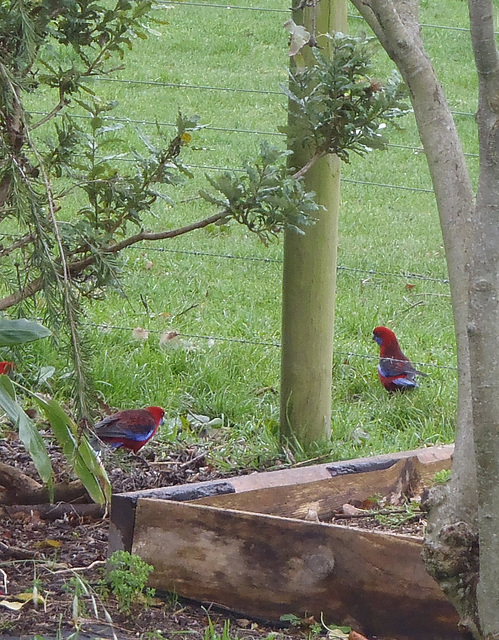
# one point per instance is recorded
(130, 428)
(395, 370)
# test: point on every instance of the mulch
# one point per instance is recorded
(57, 565)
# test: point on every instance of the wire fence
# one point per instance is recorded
(241, 130)
(260, 343)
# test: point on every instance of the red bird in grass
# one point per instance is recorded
(6, 367)
(395, 370)
(130, 428)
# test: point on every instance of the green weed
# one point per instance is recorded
(127, 577)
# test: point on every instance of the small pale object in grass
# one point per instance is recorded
(140, 334)
(199, 421)
(167, 337)
(172, 340)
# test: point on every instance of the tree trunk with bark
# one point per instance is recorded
(483, 326)
(462, 545)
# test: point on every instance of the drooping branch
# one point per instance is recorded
(76, 268)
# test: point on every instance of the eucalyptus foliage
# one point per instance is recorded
(264, 196)
(336, 106)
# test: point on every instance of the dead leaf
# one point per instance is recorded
(371, 503)
(338, 633)
(350, 510)
(262, 390)
(172, 340)
(169, 335)
(140, 334)
(312, 515)
(299, 36)
(13, 606)
(48, 543)
(244, 623)
(354, 635)
(21, 599)
(29, 596)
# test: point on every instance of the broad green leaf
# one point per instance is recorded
(78, 451)
(28, 432)
(19, 331)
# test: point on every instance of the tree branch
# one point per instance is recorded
(22, 489)
(485, 50)
(18, 244)
(77, 267)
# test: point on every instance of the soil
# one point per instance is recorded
(62, 560)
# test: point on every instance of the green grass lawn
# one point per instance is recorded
(220, 288)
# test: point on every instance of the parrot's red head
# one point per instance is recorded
(157, 413)
(384, 336)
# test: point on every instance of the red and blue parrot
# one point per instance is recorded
(395, 370)
(130, 428)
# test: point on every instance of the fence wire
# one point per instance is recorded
(244, 90)
(261, 343)
(228, 256)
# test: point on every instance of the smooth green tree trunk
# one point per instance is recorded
(309, 276)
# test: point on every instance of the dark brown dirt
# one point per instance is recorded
(63, 561)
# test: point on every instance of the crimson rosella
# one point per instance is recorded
(130, 428)
(395, 370)
(6, 367)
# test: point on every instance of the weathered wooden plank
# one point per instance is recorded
(122, 521)
(266, 566)
(122, 518)
(323, 471)
(326, 496)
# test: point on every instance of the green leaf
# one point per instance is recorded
(28, 433)
(14, 332)
(78, 451)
